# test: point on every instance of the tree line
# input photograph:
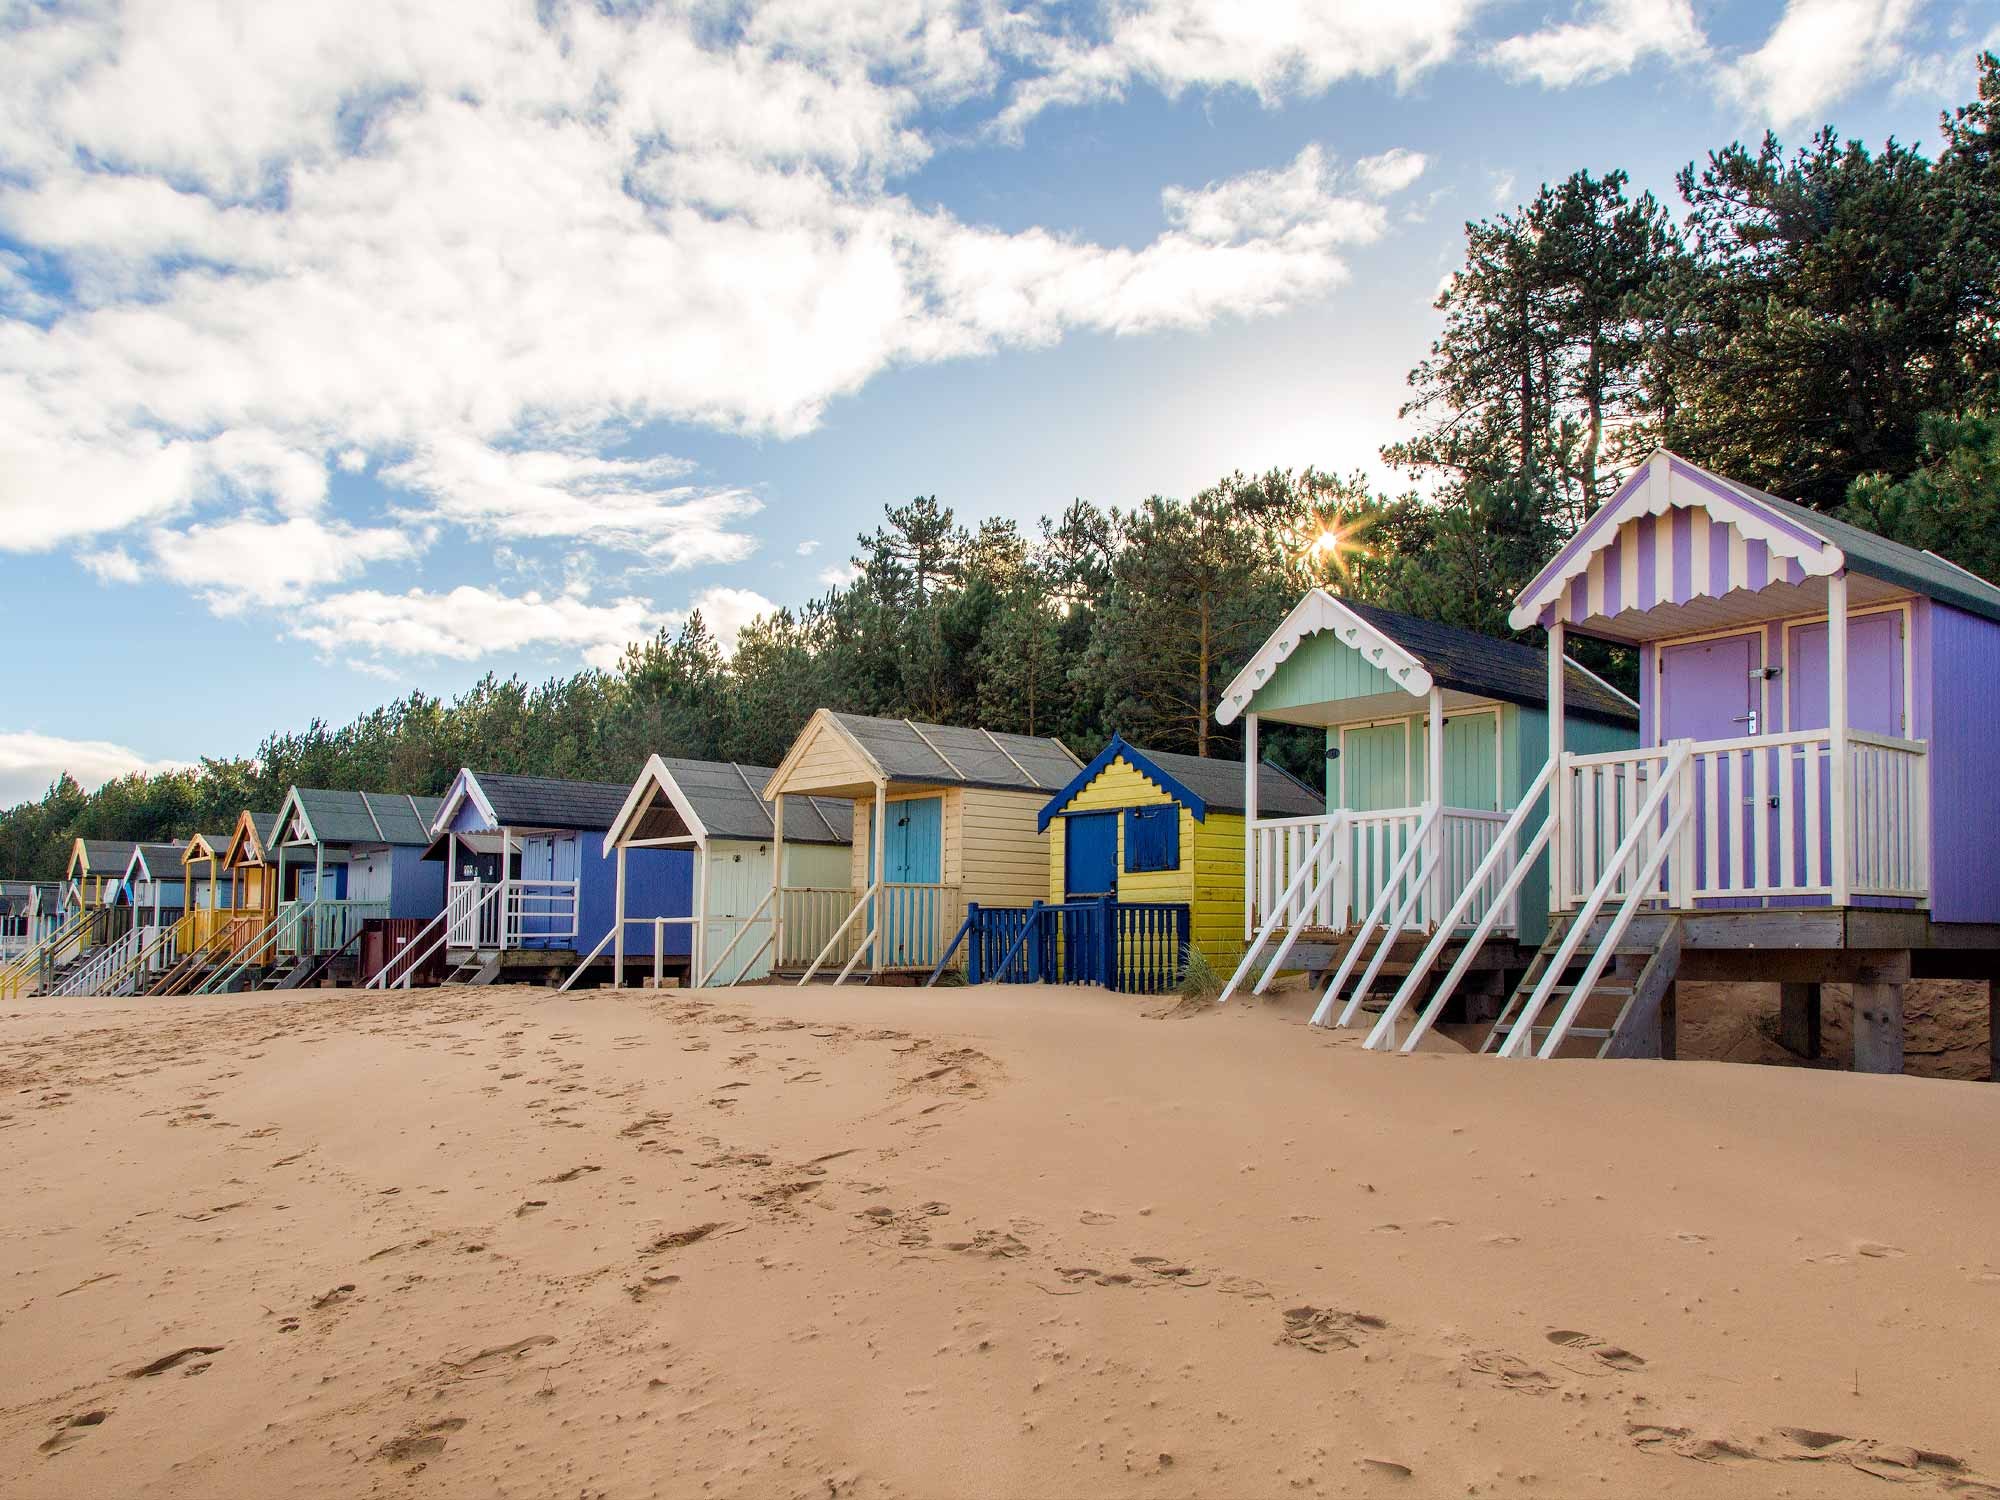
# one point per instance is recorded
(1819, 322)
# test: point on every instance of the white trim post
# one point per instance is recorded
(698, 944)
(618, 932)
(881, 831)
(1249, 826)
(1558, 841)
(506, 885)
(778, 881)
(1434, 774)
(1840, 822)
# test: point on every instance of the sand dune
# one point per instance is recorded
(1001, 1242)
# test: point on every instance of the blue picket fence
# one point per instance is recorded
(1139, 947)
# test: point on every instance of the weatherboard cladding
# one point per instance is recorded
(941, 755)
(339, 817)
(1489, 667)
(546, 802)
(728, 798)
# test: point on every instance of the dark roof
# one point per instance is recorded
(545, 802)
(729, 800)
(339, 817)
(943, 755)
(108, 856)
(1204, 784)
(1495, 668)
(1920, 572)
(163, 860)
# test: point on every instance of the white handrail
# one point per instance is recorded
(1281, 905)
(589, 959)
(1376, 912)
(1391, 930)
(1335, 867)
(865, 903)
(1677, 762)
(1503, 842)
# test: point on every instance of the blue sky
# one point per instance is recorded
(350, 353)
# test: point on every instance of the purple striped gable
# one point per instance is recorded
(1614, 574)
(1683, 524)
(1649, 562)
(1757, 564)
(1588, 530)
(1718, 558)
(1764, 513)
(1579, 597)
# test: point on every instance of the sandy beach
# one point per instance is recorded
(1010, 1241)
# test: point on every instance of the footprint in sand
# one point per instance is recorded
(573, 1173)
(171, 1361)
(71, 1430)
(992, 1244)
(1510, 1370)
(533, 1205)
(1876, 1251)
(420, 1442)
(1603, 1353)
(1321, 1330)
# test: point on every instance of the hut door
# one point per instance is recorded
(538, 864)
(913, 842)
(1714, 690)
(1471, 765)
(1090, 855)
(1374, 766)
(1875, 679)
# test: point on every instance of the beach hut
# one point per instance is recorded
(1150, 826)
(1388, 869)
(529, 887)
(90, 910)
(28, 913)
(335, 862)
(1815, 795)
(252, 878)
(943, 817)
(717, 810)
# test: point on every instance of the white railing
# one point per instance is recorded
(315, 926)
(1352, 867)
(525, 911)
(1760, 822)
(811, 915)
(88, 978)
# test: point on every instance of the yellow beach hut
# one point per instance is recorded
(942, 817)
(1152, 826)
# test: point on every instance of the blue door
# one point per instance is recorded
(911, 921)
(913, 844)
(1090, 855)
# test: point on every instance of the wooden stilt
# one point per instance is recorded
(1878, 1023)
(1798, 1019)
(1993, 1028)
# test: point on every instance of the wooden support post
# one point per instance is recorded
(1798, 1018)
(1434, 777)
(698, 939)
(1670, 1022)
(778, 882)
(1878, 1017)
(1993, 1029)
(881, 831)
(1558, 843)
(618, 931)
(1840, 794)
(1249, 826)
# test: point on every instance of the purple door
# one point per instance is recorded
(1714, 690)
(1875, 668)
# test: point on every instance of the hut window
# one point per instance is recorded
(1152, 838)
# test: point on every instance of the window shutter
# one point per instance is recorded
(1152, 838)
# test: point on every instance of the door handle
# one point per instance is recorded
(1749, 718)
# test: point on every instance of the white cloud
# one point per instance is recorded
(578, 496)
(467, 623)
(1502, 185)
(483, 245)
(1274, 48)
(808, 547)
(725, 611)
(1819, 51)
(29, 762)
(1391, 172)
(839, 576)
(112, 565)
(1610, 37)
(239, 563)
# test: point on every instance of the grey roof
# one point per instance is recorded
(216, 841)
(729, 800)
(339, 817)
(1219, 784)
(1920, 572)
(1495, 668)
(941, 755)
(108, 856)
(163, 860)
(545, 802)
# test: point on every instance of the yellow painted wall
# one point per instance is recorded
(1210, 877)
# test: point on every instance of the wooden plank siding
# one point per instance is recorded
(992, 849)
(828, 762)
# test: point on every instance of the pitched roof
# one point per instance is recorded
(1814, 543)
(106, 856)
(341, 817)
(1495, 668)
(944, 755)
(545, 802)
(1202, 784)
(162, 861)
(1419, 654)
(727, 800)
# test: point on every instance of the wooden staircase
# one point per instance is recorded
(475, 966)
(1621, 1015)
